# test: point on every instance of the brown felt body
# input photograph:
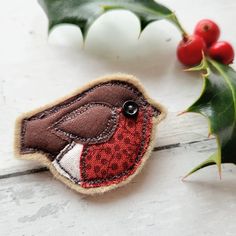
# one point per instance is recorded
(52, 143)
(37, 130)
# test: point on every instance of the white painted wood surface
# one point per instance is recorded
(35, 71)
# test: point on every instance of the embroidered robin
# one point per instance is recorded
(96, 139)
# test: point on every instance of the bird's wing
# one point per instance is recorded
(91, 123)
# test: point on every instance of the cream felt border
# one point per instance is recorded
(44, 160)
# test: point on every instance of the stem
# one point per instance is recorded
(173, 18)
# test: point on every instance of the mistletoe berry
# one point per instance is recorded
(208, 30)
(222, 52)
(190, 50)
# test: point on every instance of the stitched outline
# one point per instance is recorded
(76, 98)
(66, 104)
(59, 157)
(65, 150)
(127, 172)
(102, 137)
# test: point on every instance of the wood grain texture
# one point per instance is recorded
(175, 130)
(155, 202)
(35, 71)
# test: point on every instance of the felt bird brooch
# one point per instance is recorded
(95, 139)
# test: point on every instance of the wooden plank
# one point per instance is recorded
(34, 72)
(156, 202)
(174, 130)
(44, 72)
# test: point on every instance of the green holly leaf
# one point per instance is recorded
(83, 13)
(218, 104)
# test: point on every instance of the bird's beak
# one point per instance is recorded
(158, 111)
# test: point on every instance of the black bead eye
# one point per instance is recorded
(130, 109)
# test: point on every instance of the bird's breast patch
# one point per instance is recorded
(115, 160)
(96, 139)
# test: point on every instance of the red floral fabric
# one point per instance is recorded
(112, 162)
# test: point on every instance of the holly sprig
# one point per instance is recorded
(217, 101)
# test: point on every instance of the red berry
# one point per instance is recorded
(189, 51)
(222, 52)
(208, 30)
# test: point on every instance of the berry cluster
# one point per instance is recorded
(204, 41)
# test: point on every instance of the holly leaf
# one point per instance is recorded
(83, 13)
(218, 104)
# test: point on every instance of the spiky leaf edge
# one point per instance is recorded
(214, 159)
(85, 26)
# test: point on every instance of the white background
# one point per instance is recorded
(35, 70)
